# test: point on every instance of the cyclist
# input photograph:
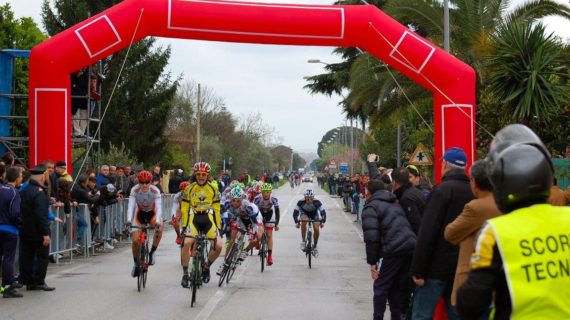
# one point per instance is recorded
(245, 215)
(145, 206)
(254, 190)
(269, 207)
(176, 211)
(201, 207)
(310, 209)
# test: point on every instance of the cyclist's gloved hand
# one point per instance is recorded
(276, 228)
(127, 225)
(322, 225)
(297, 225)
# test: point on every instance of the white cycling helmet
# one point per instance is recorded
(309, 193)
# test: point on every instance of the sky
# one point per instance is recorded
(263, 78)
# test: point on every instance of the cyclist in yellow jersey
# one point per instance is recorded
(200, 209)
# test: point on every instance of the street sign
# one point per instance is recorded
(343, 168)
(420, 157)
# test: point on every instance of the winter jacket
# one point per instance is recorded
(10, 216)
(35, 212)
(413, 202)
(387, 232)
(434, 256)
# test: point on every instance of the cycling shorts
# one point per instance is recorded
(144, 217)
(202, 222)
(315, 216)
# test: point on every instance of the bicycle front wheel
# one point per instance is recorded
(309, 247)
(263, 251)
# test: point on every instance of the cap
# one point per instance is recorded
(61, 163)
(455, 156)
(39, 169)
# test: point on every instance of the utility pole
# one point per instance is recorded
(198, 115)
(446, 25)
(351, 148)
(291, 167)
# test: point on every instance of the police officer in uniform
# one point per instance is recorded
(35, 234)
(522, 258)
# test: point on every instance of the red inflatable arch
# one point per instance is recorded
(451, 81)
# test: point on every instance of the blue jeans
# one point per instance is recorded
(81, 226)
(427, 297)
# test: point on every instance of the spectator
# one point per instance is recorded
(60, 172)
(557, 196)
(275, 181)
(520, 264)
(10, 223)
(226, 178)
(123, 183)
(463, 230)
(128, 171)
(79, 88)
(156, 173)
(82, 195)
(346, 193)
(35, 237)
(332, 185)
(113, 173)
(388, 236)
(50, 169)
(175, 180)
(94, 209)
(103, 176)
(156, 183)
(354, 196)
(411, 199)
(435, 259)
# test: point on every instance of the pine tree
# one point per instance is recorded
(138, 112)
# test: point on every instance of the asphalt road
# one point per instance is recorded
(337, 287)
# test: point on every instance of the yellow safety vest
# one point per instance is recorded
(535, 247)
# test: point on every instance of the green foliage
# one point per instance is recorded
(137, 114)
(526, 68)
(20, 33)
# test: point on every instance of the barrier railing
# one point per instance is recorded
(77, 231)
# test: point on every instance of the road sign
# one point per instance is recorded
(420, 157)
(343, 168)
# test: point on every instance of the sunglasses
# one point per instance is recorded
(144, 182)
(201, 174)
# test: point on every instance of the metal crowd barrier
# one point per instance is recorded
(112, 225)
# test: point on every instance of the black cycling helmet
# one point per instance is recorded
(514, 133)
(521, 174)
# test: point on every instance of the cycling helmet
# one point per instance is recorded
(256, 187)
(266, 187)
(237, 193)
(240, 185)
(202, 167)
(144, 176)
(309, 193)
(233, 183)
(183, 185)
(521, 175)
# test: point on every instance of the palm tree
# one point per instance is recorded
(472, 22)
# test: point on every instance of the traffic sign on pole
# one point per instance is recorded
(420, 157)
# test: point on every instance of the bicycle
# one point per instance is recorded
(309, 248)
(144, 253)
(198, 264)
(263, 251)
(231, 261)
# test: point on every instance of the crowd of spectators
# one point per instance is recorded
(419, 240)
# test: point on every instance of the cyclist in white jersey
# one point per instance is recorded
(269, 207)
(145, 206)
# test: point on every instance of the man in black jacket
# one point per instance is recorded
(35, 236)
(390, 243)
(435, 259)
(411, 199)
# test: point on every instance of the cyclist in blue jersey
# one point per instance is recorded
(310, 209)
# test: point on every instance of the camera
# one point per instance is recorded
(377, 158)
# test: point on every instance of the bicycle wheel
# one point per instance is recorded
(263, 251)
(227, 265)
(309, 247)
(195, 278)
(145, 269)
(141, 262)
